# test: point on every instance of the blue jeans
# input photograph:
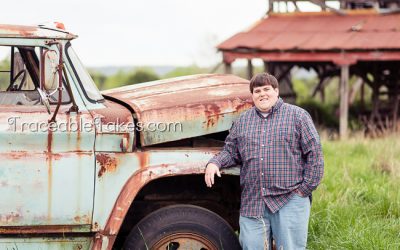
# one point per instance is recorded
(288, 227)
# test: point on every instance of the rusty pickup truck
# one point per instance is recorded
(119, 169)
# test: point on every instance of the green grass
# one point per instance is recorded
(357, 205)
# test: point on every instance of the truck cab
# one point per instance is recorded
(119, 169)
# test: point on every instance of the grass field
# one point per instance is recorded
(357, 205)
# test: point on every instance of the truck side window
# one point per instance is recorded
(19, 77)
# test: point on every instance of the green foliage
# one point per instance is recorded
(303, 88)
(122, 78)
(325, 115)
(184, 71)
(357, 205)
(116, 80)
(98, 78)
(141, 75)
(242, 71)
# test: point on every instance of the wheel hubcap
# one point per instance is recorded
(184, 241)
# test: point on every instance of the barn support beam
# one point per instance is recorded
(344, 101)
(250, 70)
(266, 68)
(227, 68)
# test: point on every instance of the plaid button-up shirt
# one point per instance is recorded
(279, 154)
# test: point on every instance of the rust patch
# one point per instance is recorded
(143, 159)
(49, 140)
(215, 109)
(138, 180)
(38, 229)
(99, 240)
(18, 154)
(242, 105)
(84, 219)
(107, 164)
(113, 113)
(78, 136)
(49, 173)
(212, 112)
(10, 218)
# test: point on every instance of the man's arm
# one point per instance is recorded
(229, 156)
(312, 151)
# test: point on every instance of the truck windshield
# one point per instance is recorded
(85, 80)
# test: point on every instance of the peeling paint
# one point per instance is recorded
(12, 217)
(107, 163)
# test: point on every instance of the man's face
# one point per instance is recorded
(265, 97)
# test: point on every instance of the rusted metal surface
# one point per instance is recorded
(115, 128)
(46, 243)
(201, 104)
(339, 58)
(44, 229)
(103, 242)
(318, 32)
(135, 170)
(81, 177)
(20, 31)
(45, 175)
(107, 164)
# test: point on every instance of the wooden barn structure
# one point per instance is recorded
(361, 43)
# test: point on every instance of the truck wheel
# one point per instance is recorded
(182, 227)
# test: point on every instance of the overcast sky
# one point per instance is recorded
(142, 32)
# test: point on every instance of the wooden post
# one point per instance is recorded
(344, 102)
(266, 66)
(249, 69)
(228, 68)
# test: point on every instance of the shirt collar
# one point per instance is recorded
(274, 108)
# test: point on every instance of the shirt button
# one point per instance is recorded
(262, 174)
(262, 145)
(262, 159)
(264, 131)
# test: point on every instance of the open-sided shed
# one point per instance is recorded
(361, 43)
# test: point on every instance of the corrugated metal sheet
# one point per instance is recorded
(320, 31)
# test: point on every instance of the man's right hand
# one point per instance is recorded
(211, 170)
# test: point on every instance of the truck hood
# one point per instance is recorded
(184, 107)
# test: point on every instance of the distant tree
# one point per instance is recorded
(116, 80)
(122, 78)
(99, 79)
(184, 71)
(141, 75)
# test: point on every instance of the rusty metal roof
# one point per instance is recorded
(40, 31)
(321, 31)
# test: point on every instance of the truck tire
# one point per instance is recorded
(181, 227)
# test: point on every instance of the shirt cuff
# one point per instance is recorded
(215, 161)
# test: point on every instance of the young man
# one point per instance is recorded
(281, 160)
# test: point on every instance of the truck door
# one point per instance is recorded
(46, 170)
